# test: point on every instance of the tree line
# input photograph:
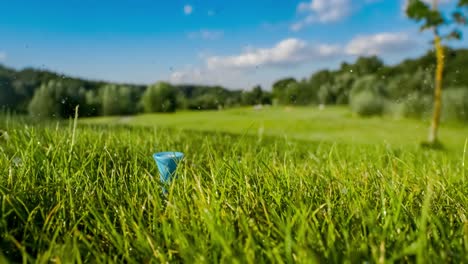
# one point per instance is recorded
(47, 94)
(367, 85)
(370, 87)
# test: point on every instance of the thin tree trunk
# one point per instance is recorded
(433, 132)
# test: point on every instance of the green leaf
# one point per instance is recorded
(419, 11)
(463, 3)
(454, 35)
(459, 18)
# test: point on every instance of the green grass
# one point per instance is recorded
(336, 124)
(91, 194)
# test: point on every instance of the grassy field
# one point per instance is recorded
(334, 124)
(296, 185)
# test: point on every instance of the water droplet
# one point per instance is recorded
(17, 161)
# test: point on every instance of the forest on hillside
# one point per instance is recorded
(367, 85)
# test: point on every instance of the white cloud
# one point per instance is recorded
(293, 52)
(202, 75)
(286, 53)
(188, 9)
(186, 76)
(327, 11)
(378, 44)
(3, 56)
(246, 68)
(206, 34)
(322, 11)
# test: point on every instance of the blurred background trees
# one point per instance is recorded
(367, 86)
(160, 97)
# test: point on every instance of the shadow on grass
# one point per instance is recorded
(437, 145)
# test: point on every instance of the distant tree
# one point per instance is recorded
(368, 65)
(126, 102)
(322, 83)
(182, 102)
(267, 98)
(109, 100)
(369, 83)
(456, 104)
(206, 101)
(116, 100)
(253, 97)
(433, 19)
(324, 94)
(160, 97)
(44, 103)
(257, 94)
(337, 91)
(233, 99)
(71, 95)
(301, 93)
(417, 82)
(416, 105)
(8, 97)
(292, 92)
(93, 102)
(280, 90)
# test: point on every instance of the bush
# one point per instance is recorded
(369, 83)
(455, 104)
(417, 105)
(205, 102)
(420, 82)
(366, 96)
(367, 103)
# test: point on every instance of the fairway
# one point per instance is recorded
(332, 124)
(92, 193)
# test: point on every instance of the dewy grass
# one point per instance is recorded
(236, 199)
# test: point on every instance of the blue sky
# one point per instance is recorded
(237, 44)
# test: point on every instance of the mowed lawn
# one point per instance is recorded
(332, 124)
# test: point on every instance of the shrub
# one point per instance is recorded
(366, 96)
(417, 105)
(205, 102)
(367, 103)
(368, 83)
(455, 104)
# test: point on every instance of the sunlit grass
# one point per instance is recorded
(333, 124)
(240, 198)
